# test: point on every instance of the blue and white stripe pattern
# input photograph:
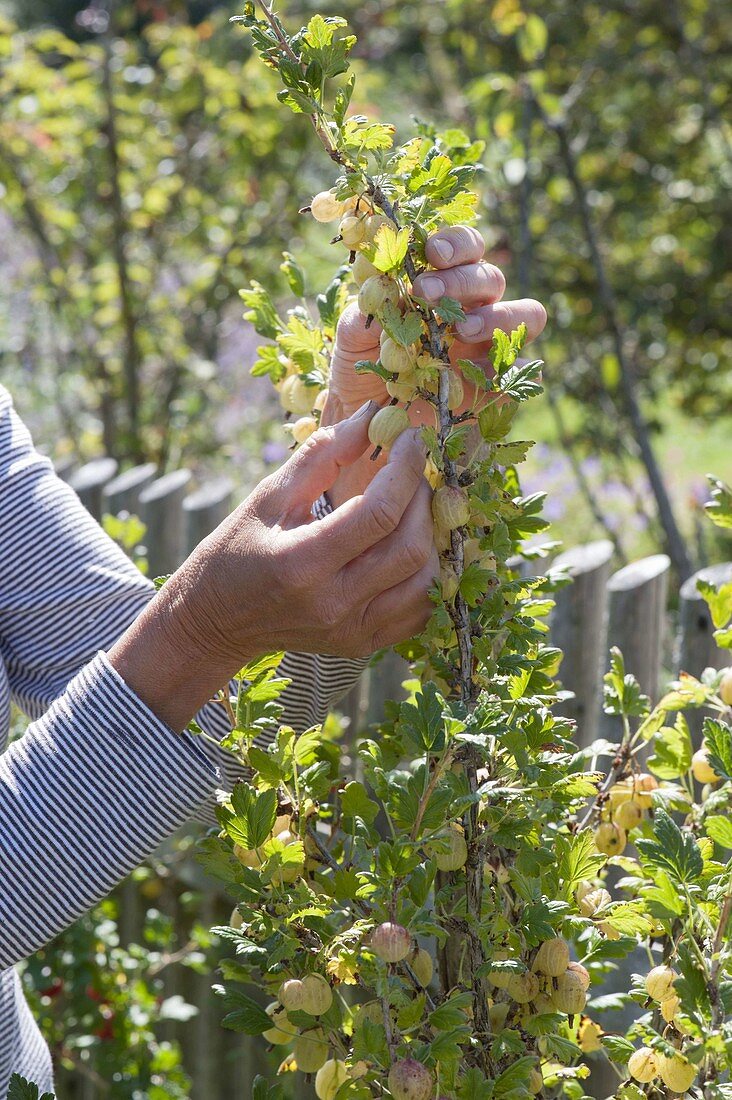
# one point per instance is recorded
(97, 781)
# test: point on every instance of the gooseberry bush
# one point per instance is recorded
(440, 924)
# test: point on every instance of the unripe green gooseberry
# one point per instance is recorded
(376, 293)
(353, 230)
(397, 359)
(610, 839)
(296, 396)
(325, 207)
(677, 1073)
(628, 815)
(311, 1050)
(248, 857)
(282, 1031)
(329, 1078)
(569, 996)
(670, 1007)
(593, 901)
(582, 973)
(660, 982)
(451, 850)
(422, 966)
(552, 958)
(391, 942)
(643, 784)
(362, 269)
(317, 996)
(404, 387)
(450, 507)
(320, 400)
(410, 1080)
(523, 988)
(290, 995)
(373, 225)
(725, 688)
(303, 428)
(455, 389)
(370, 1010)
(497, 1014)
(536, 1082)
(473, 553)
(387, 425)
(701, 769)
(642, 1065)
(449, 582)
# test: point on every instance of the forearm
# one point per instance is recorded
(85, 795)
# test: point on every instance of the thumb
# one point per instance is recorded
(352, 336)
(314, 468)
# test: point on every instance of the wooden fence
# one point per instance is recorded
(629, 608)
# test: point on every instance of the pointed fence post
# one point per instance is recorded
(89, 481)
(206, 509)
(578, 626)
(122, 494)
(161, 507)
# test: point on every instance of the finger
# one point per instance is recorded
(313, 468)
(470, 284)
(352, 336)
(460, 244)
(397, 557)
(362, 521)
(404, 610)
(480, 323)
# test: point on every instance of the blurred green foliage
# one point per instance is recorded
(148, 241)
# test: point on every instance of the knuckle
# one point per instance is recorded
(384, 516)
(414, 556)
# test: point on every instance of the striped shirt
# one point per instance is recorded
(97, 781)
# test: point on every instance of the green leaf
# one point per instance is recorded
(294, 274)
(674, 851)
(723, 638)
(531, 38)
(391, 248)
(577, 859)
(473, 373)
(619, 1049)
(367, 366)
(404, 330)
(475, 1086)
(515, 1076)
(254, 815)
(451, 1013)
(261, 312)
(495, 419)
(449, 310)
(460, 210)
(343, 98)
(622, 693)
(720, 829)
(422, 721)
(719, 509)
(242, 1013)
(719, 601)
(355, 802)
(359, 133)
(474, 583)
(519, 380)
(510, 454)
(20, 1089)
(718, 737)
(672, 750)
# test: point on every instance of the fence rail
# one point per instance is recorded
(628, 608)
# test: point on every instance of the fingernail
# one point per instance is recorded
(443, 249)
(432, 286)
(471, 326)
(362, 412)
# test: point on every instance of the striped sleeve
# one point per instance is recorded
(67, 592)
(90, 790)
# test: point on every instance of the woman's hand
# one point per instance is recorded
(461, 273)
(270, 578)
